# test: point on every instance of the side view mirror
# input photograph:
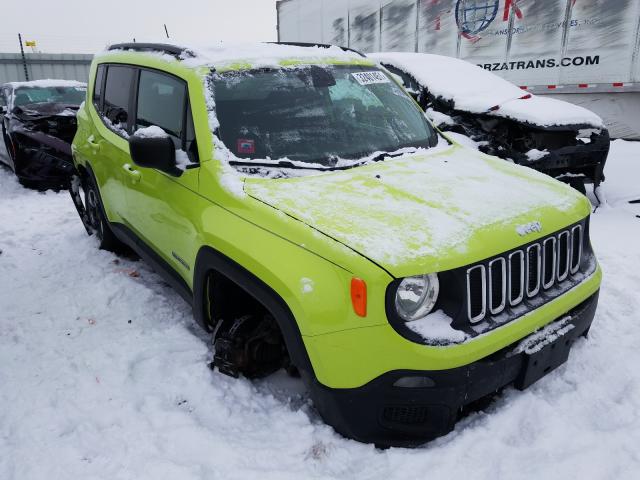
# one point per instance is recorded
(152, 149)
(3, 109)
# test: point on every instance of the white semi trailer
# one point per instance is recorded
(583, 51)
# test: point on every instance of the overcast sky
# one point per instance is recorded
(88, 25)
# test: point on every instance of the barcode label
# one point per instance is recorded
(368, 78)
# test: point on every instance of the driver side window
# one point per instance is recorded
(162, 100)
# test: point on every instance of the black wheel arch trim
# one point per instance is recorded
(208, 260)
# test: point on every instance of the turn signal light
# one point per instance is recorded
(359, 296)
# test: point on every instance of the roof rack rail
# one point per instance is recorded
(177, 52)
(321, 45)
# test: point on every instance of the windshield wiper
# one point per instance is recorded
(278, 164)
(380, 157)
(288, 164)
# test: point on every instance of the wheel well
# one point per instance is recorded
(223, 289)
(228, 300)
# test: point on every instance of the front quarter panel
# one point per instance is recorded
(316, 289)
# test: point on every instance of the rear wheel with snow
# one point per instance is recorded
(86, 198)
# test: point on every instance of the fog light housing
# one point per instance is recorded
(414, 382)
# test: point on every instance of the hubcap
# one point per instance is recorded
(93, 212)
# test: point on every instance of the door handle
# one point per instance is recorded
(93, 145)
(134, 174)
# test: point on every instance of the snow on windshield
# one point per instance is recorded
(315, 115)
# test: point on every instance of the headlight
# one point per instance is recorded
(416, 296)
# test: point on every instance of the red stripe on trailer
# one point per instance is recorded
(583, 85)
(551, 87)
(523, 87)
(618, 84)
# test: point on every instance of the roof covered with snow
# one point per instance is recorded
(476, 90)
(256, 55)
(47, 83)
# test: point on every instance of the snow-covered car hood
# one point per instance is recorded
(473, 89)
(426, 212)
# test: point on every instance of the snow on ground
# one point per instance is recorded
(103, 375)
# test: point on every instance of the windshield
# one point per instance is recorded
(316, 114)
(65, 95)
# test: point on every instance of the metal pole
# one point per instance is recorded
(417, 43)
(24, 59)
(635, 63)
(380, 20)
(512, 15)
(348, 25)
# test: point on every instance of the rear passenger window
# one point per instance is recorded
(98, 87)
(161, 102)
(117, 92)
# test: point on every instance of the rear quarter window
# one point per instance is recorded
(98, 88)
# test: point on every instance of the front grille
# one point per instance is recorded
(523, 274)
(406, 414)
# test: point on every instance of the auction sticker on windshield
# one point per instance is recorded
(368, 78)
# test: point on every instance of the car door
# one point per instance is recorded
(159, 205)
(4, 110)
(105, 143)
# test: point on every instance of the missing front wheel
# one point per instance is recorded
(250, 345)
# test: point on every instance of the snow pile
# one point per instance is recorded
(116, 127)
(545, 336)
(476, 90)
(47, 83)
(546, 111)
(535, 154)
(439, 118)
(223, 55)
(436, 329)
(104, 375)
(151, 131)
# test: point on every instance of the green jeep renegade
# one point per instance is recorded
(297, 197)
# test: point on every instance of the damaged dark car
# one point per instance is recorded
(563, 140)
(38, 123)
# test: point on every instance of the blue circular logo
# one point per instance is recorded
(474, 16)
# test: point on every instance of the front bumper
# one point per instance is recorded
(389, 415)
(587, 160)
(45, 167)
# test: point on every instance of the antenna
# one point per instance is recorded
(165, 30)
